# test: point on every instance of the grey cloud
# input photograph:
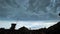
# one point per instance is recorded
(29, 9)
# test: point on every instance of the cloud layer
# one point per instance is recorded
(29, 10)
(28, 24)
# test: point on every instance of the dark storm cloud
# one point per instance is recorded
(29, 9)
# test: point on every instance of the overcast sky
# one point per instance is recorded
(28, 24)
(30, 10)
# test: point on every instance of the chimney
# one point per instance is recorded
(13, 26)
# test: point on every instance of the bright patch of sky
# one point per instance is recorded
(28, 24)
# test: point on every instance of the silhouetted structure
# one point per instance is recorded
(23, 28)
(13, 26)
(55, 29)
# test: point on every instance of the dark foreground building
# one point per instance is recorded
(55, 29)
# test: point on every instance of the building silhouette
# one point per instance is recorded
(13, 26)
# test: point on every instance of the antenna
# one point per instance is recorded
(17, 20)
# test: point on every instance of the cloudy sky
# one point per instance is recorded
(28, 24)
(29, 10)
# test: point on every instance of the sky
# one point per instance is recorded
(29, 10)
(29, 24)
